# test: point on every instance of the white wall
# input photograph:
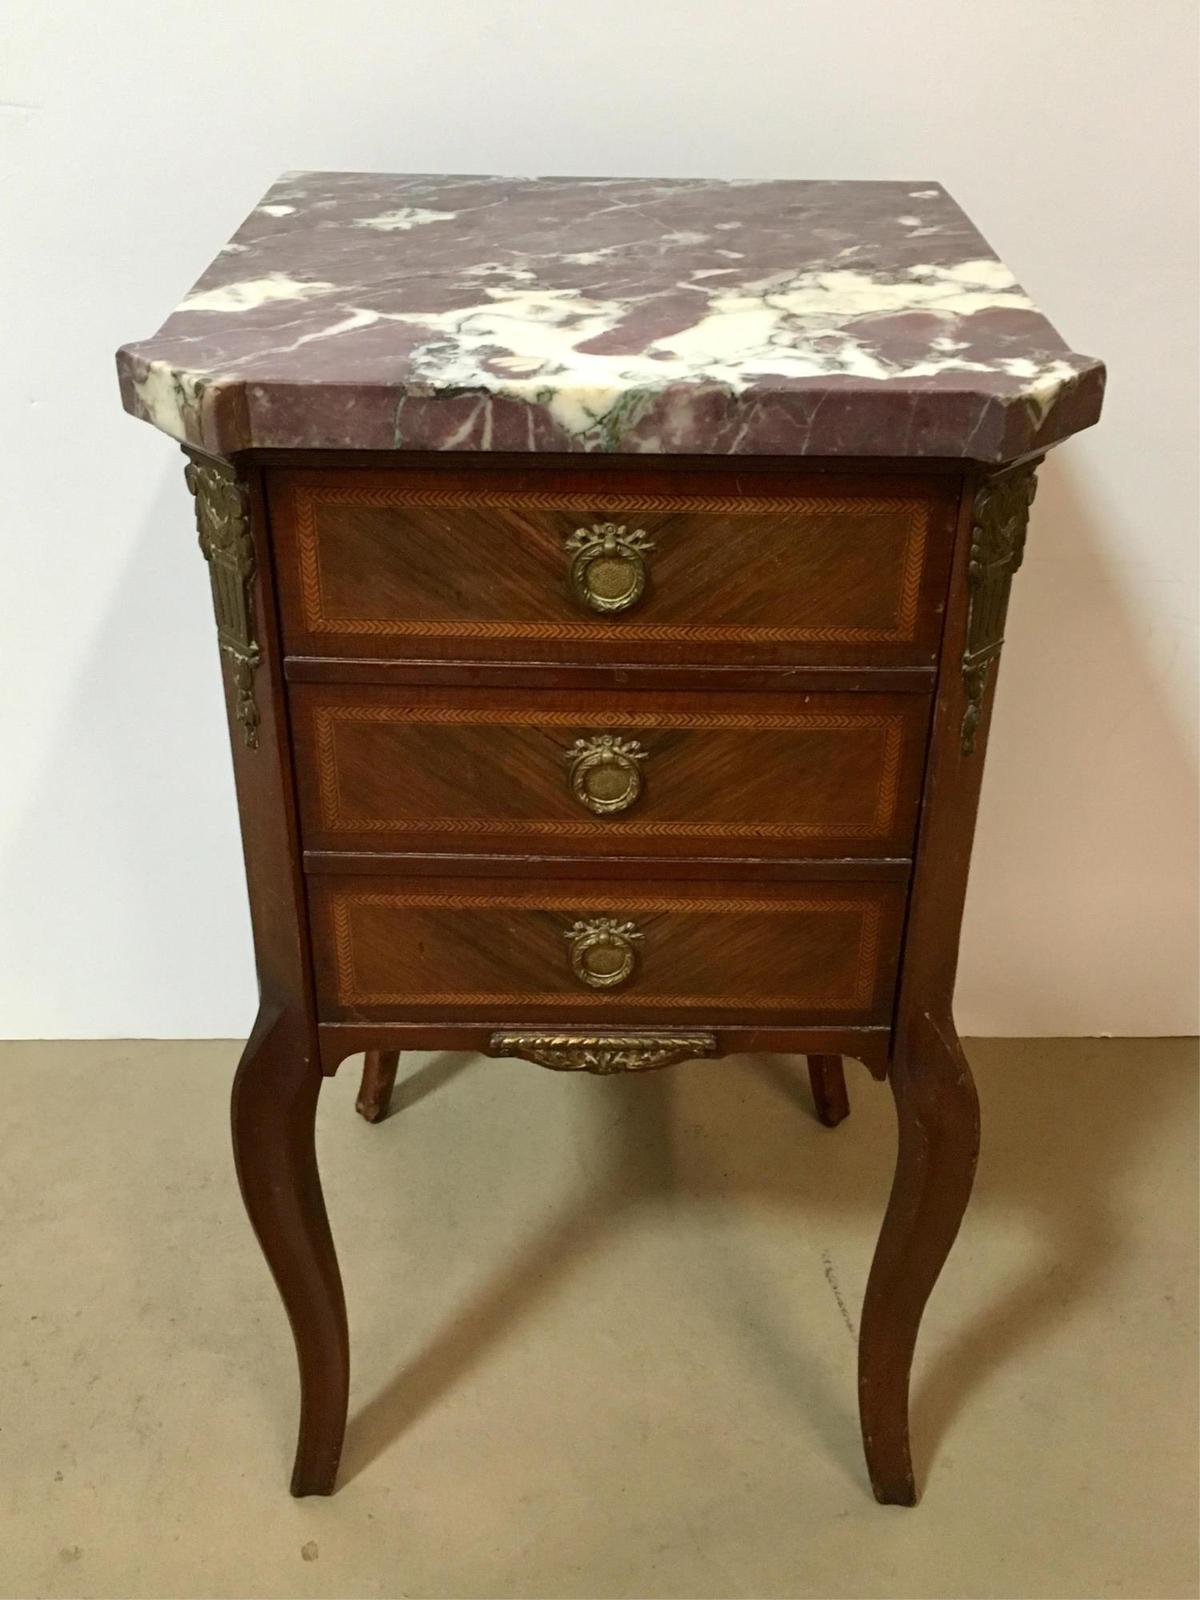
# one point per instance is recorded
(140, 132)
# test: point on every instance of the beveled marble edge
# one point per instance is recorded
(226, 416)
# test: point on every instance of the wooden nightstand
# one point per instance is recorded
(609, 577)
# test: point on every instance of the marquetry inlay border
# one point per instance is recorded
(337, 817)
(308, 497)
(862, 988)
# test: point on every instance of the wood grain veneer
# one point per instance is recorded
(807, 569)
(818, 954)
(821, 775)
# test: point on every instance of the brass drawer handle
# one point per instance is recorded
(602, 953)
(608, 566)
(603, 772)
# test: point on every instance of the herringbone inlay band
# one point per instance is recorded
(307, 497)
(336, 817)
(862, 987)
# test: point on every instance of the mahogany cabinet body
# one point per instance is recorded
(607, 763)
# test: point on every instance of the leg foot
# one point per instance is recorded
(828, 1081)
(378, 1081)
(938, 1117)
(273, 1113)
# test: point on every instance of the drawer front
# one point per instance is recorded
(820, 570)
(408, 950)
(601, 774)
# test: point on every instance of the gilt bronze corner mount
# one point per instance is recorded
(227, 544)
(999, 518)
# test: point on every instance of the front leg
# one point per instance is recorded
(273, 1115)
(938, 1116)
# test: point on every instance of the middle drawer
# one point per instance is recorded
(601, 772)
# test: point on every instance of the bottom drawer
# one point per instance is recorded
(792, 954)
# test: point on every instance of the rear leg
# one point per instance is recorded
(378, 1081)
(828, 1082)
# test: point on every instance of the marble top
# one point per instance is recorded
(367, 311)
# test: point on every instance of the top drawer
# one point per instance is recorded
(651, 565)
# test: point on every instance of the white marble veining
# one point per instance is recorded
(249, 293)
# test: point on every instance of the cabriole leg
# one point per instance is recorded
(378, 1081)
(273, 1114)
(938, 1116)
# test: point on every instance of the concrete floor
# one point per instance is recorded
(603, 1336)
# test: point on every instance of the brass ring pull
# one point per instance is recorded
(603, 772)
(608, 566)
(602, 953)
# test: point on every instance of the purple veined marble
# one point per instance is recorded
(369, 311)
